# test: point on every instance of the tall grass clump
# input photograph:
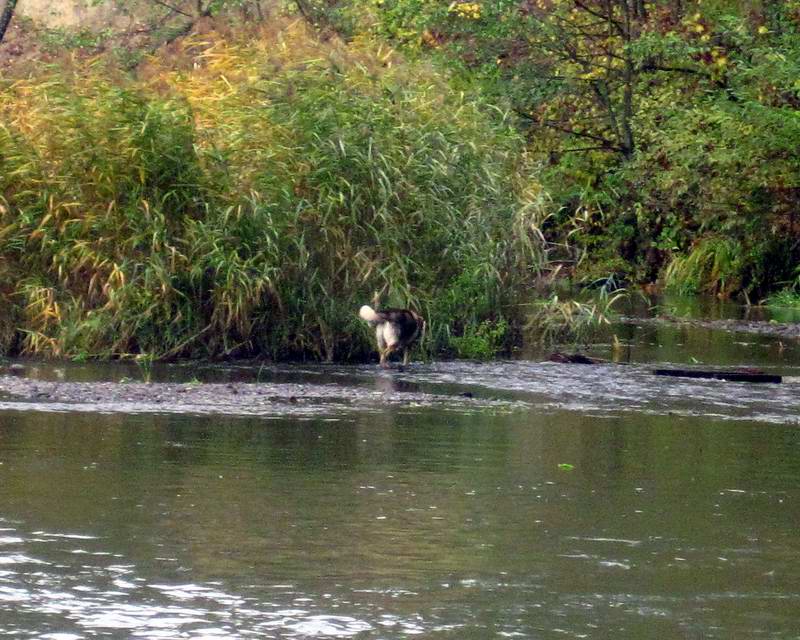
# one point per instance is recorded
(715, 265)
(556, 320)
(250, 204)
(97, 183)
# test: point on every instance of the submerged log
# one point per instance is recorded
(730, 376)
(573, 358)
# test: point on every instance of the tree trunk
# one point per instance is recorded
(5, 17)
(629, 79)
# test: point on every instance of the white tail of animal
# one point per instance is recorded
(368, 313)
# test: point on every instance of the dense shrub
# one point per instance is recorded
(250, 201)
(669, 127)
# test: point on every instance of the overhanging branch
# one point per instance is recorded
(5, 17)
(172, 8)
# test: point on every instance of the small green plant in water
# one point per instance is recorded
(784, 305)
(144, 362)
(482, 341)
(786, 298)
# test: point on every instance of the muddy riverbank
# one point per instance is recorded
(338, 391)
(231, 398)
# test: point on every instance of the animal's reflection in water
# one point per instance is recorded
(390, 384)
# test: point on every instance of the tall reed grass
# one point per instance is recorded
(249, 197)
(714, 265)
(556, 320)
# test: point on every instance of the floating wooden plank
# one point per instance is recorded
(730, 376)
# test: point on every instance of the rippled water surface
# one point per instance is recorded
(449, 500)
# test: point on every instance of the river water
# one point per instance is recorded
(450, 500)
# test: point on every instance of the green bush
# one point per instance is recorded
(482, 341)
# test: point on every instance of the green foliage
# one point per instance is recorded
(578, 321)
(248, 198)
(665, 125)
(788, 297)
(144, 362)
(251, 205)
(57, 39)
(713, 266)
(482, 341)
(724, 166)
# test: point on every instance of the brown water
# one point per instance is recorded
(559, 501)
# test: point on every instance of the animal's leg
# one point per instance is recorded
(385, 355)
(387, 342)
(405, 357)
(381, 344)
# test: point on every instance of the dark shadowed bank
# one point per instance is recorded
(246, 197)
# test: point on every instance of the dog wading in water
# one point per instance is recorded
(395, 330)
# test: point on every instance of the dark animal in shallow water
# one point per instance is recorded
(395, 330)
